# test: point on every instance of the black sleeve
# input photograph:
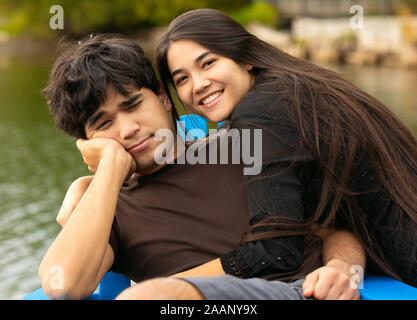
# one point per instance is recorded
(276, 191)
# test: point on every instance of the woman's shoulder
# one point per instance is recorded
(270, 97)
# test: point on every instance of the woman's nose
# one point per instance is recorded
(201, 84)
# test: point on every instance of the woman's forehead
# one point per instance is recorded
(185, 50)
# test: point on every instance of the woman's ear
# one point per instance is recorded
(164, 99)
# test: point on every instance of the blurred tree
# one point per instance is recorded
(83, 17)
(259, 11)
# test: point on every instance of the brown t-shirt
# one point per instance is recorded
(178, 218)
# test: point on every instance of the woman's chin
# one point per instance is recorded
(217, 117)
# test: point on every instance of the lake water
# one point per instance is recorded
(38, 163)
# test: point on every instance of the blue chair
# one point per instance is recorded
(108, 289)
(374, 287)
(191, 127)
(386, 288)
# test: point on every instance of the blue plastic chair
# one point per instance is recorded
(386, 288)
(192, 127)
(374, 287)
(108, 289)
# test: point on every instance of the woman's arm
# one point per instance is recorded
(343, 255)
(209, 269)
(341, 252)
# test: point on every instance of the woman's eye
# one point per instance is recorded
(180, 80)
(208, 62)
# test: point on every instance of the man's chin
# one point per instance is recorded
(145, 169)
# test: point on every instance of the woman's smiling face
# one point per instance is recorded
(207, 83)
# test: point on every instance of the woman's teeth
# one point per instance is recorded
(211, 97)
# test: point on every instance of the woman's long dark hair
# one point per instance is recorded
(340, 124)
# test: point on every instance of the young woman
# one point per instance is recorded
(333, 156)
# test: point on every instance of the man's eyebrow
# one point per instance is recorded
(129, 100)
(196, 61)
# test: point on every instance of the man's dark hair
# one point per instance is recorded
(81, 76)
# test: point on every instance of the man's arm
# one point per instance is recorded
(73, 196)
(80, 255)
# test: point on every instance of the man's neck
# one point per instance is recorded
(175, 154)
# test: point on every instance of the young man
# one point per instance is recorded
(167, 220)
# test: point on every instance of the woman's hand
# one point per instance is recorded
(72, 198)
(331, 282)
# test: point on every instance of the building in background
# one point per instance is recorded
(321, 30)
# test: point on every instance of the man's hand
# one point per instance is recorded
(94, 150)
(331, 282)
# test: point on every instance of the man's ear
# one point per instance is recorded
(164, 99)
(248, 67)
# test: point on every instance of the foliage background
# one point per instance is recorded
(125, 16)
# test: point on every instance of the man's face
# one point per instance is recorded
(132, 121)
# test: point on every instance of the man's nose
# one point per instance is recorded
(128, 127)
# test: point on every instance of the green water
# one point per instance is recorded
(38, 163)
